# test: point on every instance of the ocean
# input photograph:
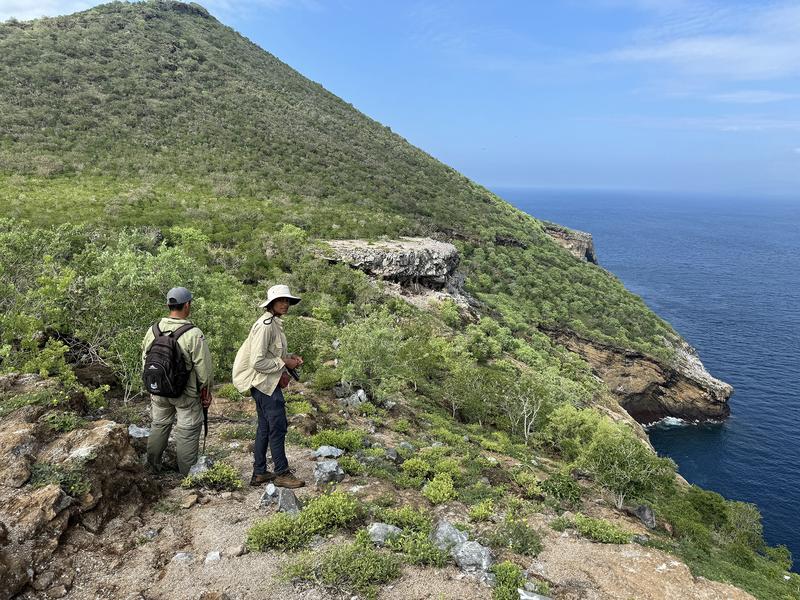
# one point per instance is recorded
(725, 273)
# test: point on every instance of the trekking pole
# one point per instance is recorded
(205, 427)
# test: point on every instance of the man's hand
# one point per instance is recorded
(293, 361)
(205, 397)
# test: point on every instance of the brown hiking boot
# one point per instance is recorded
(262, 478)
(288, 480)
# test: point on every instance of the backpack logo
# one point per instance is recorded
(165, 372)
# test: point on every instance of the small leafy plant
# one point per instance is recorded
(221, 476)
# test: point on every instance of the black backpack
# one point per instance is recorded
(165, 373)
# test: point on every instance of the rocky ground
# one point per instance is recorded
(132, 536)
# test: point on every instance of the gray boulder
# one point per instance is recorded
(394, 456)
(328, 452)
(269, 496)
(380, 532)
(328, 471)
(406, 446)
(355, 400)
(646, 516)
(526, 594)
(138, 432)
(202, 465)
(473, 557)
(288, 502)
(446, 537)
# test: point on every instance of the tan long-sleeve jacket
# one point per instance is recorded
(259, 361)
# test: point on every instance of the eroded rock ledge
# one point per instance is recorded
(579, 243)
(650, 390)
(425, 261)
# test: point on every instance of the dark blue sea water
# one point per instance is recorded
(725, 272)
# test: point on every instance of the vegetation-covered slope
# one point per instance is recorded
(146, 145)
(156, 114)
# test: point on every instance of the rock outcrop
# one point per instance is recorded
(51, 481)
(579, 243)
(421, 261)
(650, 390)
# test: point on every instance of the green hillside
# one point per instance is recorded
(147, 145)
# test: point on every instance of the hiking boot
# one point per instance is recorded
(262, 478)
(288, 480)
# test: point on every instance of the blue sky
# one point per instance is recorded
(697, 96)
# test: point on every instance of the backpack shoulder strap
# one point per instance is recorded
(156, 330)
(181, 330)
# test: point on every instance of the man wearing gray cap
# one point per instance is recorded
(192, 392)
(260, 367)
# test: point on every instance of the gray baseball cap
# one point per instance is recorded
(178, 295)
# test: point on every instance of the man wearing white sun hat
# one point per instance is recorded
(261, 367)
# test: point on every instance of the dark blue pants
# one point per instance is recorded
(271, 431)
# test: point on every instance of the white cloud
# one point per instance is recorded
(722, 42)
(753, 97)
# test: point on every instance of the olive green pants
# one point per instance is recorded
(187, 413)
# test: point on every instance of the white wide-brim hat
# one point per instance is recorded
(279, 291)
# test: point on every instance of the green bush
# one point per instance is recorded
(71, 478)
(599, 530)
(417, 467)
(440, 489)
(562, 487)
(348, 439)
(482, 511)
(281, 531)
(43, 397)
(329, 511)
(402, 426)
(417, 549)
(408, 518)
(325, 378)
(478, 492)
(238, 432)
(229, 392)
(624, 465)
(508, 578)
(351, 466)
(528, 483)
(300, 407)
(353, 568)
(569, 430)
(63, 421)
(221, 476)
(516, 536)
(561, 524)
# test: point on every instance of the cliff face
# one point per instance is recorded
(579, 243)
(650, 390)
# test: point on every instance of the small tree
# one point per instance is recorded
(623, 464)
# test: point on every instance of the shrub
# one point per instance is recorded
(221, 476)
(569, 430)
(283, 531)
(37, 398)
(238, 432)
(408, 518)
(440, 489)
(449, 466)
(325, 378)
(70, 477)
(280, 531)
(348, 439)
(402, 426)
(478, 492)
(229, 392)
(417, 549)
(528, 482)
(63, 421)
(416, 467)
(508, 578)
(482, 511)
(329, 511)
(600, 530)
(300, 407)
(351, 466)
(562, 487)
(517, 536)
(560, 524)
(623, 465)
(351, 567)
